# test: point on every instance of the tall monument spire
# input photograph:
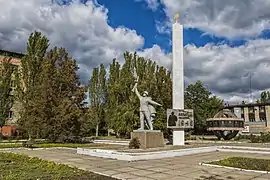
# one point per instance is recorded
(178, 76)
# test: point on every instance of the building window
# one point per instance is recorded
(251, 109)
(251, 114)
(251, 117)
(262, 108)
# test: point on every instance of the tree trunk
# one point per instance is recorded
(97, 130)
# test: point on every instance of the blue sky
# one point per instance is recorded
(225, 39)
(136, 15)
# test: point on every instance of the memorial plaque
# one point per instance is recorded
(180, 118)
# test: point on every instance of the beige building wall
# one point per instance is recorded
(267, 112)
(16, 106)
(246, 116)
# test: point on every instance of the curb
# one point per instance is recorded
(233, 168)
(33, 149)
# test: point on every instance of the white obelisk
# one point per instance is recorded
(178, 76)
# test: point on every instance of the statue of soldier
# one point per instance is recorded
(147, 111)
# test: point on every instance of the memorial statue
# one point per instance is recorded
(147, 111)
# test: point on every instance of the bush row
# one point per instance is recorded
(262, 138)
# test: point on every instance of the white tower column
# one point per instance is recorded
(178, 76)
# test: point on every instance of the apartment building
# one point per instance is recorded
(256, 116)
(10, 125)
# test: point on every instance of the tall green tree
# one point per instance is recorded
(6, 97)
(122, 105)
(50, 92)
(62, 96)
(97, 96)
(28, 82)
(200, 99)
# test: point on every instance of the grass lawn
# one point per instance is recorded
(245, 163)
(15, 166)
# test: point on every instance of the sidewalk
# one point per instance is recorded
(184, 167)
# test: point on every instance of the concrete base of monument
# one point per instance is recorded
(149, 138)
(128, 156)
(178, 137)
(137, 156)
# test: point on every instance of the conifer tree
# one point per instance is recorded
(28, 82)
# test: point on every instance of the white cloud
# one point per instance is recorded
(158, 55)
(151, 4)
(223, 69)
(82, 29)
(230, 18)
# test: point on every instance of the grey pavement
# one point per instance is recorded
(184, 167)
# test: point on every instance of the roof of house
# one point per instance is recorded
(11, 54)
(247, 105)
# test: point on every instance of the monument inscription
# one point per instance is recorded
(180, 118)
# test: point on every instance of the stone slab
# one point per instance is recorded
(149, 139)
(143, 156)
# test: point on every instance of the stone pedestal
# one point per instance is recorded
(149, 138)
(178, 137)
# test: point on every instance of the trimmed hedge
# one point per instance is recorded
(262, 138)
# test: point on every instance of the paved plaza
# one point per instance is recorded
(184, 167)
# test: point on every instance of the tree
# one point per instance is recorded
(6, 97)
(265, 96)
(97, 95)
(28, 81)
(62, 96)
(122, 105)
(50, 92)
(199, 98)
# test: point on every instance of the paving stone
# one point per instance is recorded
(238, 176)
(246, 173)
(219, 170)
(110, 172)
(267, 176)
(160, 176)
(126, 169)
(144, 166)
(260, 178)
(140, 172)
(176, 172)
(158, 169)
(141, 178)
(125, 176)
(178, 178)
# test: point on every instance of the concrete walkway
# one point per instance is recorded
(184, 167)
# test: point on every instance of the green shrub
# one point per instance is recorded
(263, 138)
(134, 143)
(240, 137)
